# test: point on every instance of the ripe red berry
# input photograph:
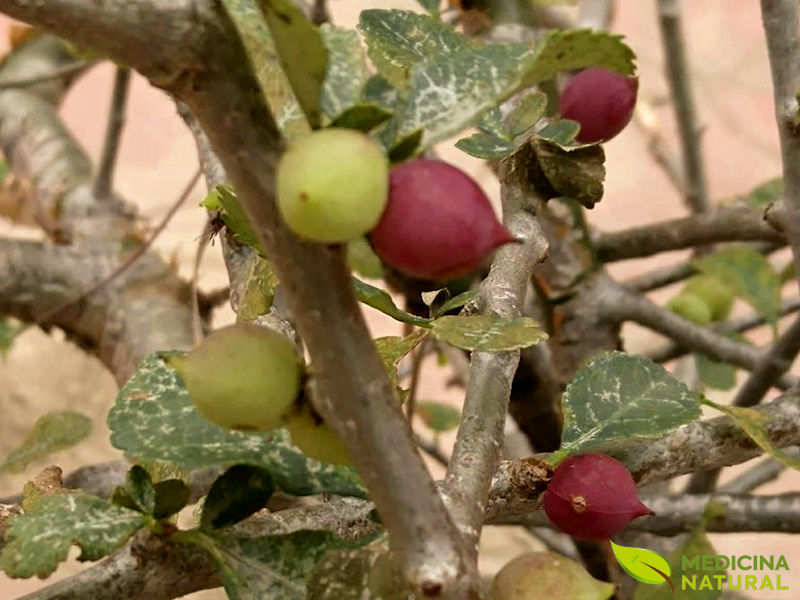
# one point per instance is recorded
(438, 224)
(601, 101)
(592, 497)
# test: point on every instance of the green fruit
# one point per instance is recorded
(333, 185)
(310, 433)
(546, 576)
(242, 377)
(691, 307)
(714, 292)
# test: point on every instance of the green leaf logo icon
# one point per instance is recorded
(642, 564)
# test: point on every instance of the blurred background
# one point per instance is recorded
(733, 93)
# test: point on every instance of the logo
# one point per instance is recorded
(705, 572)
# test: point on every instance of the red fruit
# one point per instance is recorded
(592, 497)
(601, 101)
(438, 223)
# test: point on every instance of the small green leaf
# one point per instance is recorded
(714, 374)
(236, 494)
(486, 146)
(223, 198)
(382, 301)
(527, 113)
(766, 193)
(362, 117)
(154, 419)
(619, 396)
(260, 284)
(38, 541)
(392, 349)
(561, 132)
(457, 302)
(755, 424)
(749, 275)
(642, 564)
(488, 333)
(438, 416)
(302, 53)
(50, 433)
(139, 487)
(171, 496)
(362, 259)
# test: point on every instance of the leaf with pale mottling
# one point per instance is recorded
(488, 333)
(345, 73)
(620, 396)
(39, 540)
(750, 275)
(450, 92)
(561, 132)
(265, 64)
(755, 424)
(527, 113)
(255, 568)
(398, 39)
(486, 146)
(154, 419)
(50, 433)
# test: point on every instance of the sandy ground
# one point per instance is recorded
(733, 93)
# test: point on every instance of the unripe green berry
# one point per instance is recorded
(314, 437)
(332, 185)
(691, 307)
(715, 293)
(242, 377)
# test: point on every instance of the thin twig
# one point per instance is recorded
(671, 350)
(645, 117)
(663, 276)
(618, 302)
(417, 358)
(104, 183)
(765, 471)
(432, 449)
(734, 223)
(678, 75)
(59, 73)
(202, 244)
(780, 25)
(128, 262)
